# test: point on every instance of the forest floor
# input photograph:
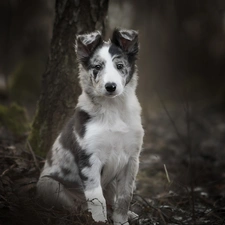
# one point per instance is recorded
(181, 178)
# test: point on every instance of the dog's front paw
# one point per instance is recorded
(132, 216)
(96, 204)
(99, 217)
(119, 219)
(98, 210)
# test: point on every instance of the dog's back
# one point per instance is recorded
(94, 160)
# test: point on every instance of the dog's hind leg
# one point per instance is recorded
(125, 185)
(54, 194)
(110, 197)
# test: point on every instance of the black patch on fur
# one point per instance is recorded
(82, 118)
(68, 139)
(131, 73)
(102, 170)
(65, 171)
(95, 73)
(69, 142)
(114, 50)
(82, 176)
(86, 63)
(83, 161)
(131, 57)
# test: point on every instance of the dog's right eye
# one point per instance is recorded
(97, 67)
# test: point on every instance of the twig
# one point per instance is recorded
(167, 175)
(33, 155)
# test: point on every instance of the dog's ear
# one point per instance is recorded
(127, 40)
(86, 44)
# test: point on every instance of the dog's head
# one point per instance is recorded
(107, 67)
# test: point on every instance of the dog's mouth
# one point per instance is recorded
(111, 95)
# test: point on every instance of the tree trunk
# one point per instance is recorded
(60, 88)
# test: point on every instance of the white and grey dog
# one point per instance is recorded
(94, 160)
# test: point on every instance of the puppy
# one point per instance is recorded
(94, 161)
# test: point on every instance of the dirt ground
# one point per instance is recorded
(181, 178)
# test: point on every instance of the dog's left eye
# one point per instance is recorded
(119, 66)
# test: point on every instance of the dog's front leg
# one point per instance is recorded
(93, 191)
(125, 187)
(96, 203)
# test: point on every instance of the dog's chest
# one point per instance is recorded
(113, 133)
(114, 139)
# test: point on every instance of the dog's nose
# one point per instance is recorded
(110, 87)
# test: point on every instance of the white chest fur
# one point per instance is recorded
(114, 136)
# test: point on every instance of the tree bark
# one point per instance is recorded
(60, 88)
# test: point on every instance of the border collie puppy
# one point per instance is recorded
(94, 161)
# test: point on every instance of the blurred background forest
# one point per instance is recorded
(181, 88)
(182, 47)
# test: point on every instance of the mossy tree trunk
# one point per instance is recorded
(60, 87)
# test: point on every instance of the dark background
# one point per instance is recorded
(181, 89)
